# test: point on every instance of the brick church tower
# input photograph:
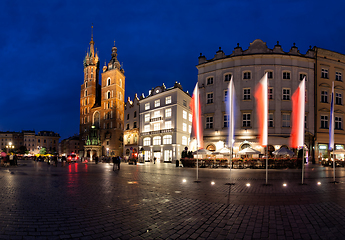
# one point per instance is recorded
(101, 106)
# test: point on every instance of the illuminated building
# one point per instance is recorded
(165, 123)
(131, 131)
(285, 71)
(69, 145)
(329, 68)
(33, 142)
(101, 106)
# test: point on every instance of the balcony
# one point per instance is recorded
(158, 132)
(156, 119)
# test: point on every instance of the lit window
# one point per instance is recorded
(286, 75)
(184, 126)
(147, 106)
(324, 73)
(209, 98)
(168, 100)
(246, 119)
(167, 139)
(156, 126)
(227, 77)
(246, 93)
(184, 140)
(190, 128)
(147, 117)
(209, 122)
(324, 121)
(156, 114)
(168, 125)
(286, 94)
(157, 103)
(246, 75)
(146, 128)
(209, 80)
(190, 117)
(168, 112)
(157, 140)
(147, 141)
(184, 114)
(286, 120)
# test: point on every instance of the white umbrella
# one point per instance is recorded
(248, 151)
(283, 151)
(223, 151)
(202, 151)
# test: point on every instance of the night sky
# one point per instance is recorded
(43, 44)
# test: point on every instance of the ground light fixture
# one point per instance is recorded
(184, 180)
(318, 183)
(248, 184)
(284, 184)
(212, 183)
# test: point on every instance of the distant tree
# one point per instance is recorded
(22, 150)
(43, 151)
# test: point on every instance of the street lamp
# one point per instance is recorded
(9, 146)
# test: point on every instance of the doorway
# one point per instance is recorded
(157, 155)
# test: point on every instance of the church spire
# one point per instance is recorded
(92, 43)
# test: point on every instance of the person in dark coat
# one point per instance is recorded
(118, 163)
(114, 162)
(96, 160)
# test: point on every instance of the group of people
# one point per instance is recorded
(116, 162)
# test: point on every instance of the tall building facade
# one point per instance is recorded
(165, 123)
(131, 133)
(102, 106)
(285, 71)
(329, 69)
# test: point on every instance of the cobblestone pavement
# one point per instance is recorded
(160, 201)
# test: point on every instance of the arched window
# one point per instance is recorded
(120, 96)
(211, 147)
(167, 139)
(245, 145)
(108, 94)
(147, 141)
(157, 140)
(108, 82)
(85, 93)
(85, 101)
(120, 83)
(96, 119)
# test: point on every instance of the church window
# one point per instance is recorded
(120, 96)
(108, 95)
(120, 83)
(108, 82)
(85, 93)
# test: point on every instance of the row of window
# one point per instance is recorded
(157, 103)
(247, 75)
(338, 74)
(286, 117)
(167, 112)
(167, 139)
(134, 115)
(167, 125)
(338, 98)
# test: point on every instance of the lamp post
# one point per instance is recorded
(9, 146)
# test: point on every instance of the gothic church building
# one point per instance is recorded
(101, 106)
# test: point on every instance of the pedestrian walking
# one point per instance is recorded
(114, 162)
(118, 163)
(154, 160)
